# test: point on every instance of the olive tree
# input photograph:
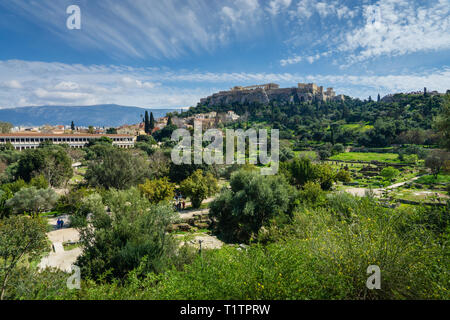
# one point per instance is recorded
(253, 201)
(20, 238)
(117, 168)
(32, 200)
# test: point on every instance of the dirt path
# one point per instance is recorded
(58, 257)
(360, 192)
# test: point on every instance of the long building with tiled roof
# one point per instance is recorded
(22, 141)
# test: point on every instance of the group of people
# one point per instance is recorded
(59, 223)
(179, 202)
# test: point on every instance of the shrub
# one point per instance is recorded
(198, 187)
(115, 243)
(312, 193)
(157, 190)
(344, 176)
(389, 173)
(252, 202)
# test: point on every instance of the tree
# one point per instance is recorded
(389, 173)
(72, 126)
(198, 187)
(146, 123)
(169, 120)
(20, 238)
(299, 171)
(157, 190)
(442, 122)
(32, 200)
(436, 160)
(5, 127)
(91, 130)
(152, 122)
(116, 168)
(286, 154)
(53, 162)
(165, 132)
(111, 131)
(378, 98)
(134, 234)
(251, 203)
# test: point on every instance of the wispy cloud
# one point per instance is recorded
(66, 84)
(398, 27)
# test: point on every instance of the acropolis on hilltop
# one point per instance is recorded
(265, 93)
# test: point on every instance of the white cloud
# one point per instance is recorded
(399, 27)
(307, 8)
(63, 95)
(155, 88)
(134, 83)
(67, 86)
(12, 84)
(275, 6)
(297, 59)
(292, 60)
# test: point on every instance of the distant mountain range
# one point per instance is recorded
(105, 115)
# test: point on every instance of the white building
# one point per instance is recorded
(22, 141)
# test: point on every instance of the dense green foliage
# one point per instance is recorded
(116, 168)
(20, 238)
(393, 119)
(304, 238)
(251, 203)
(198, 187)
(157, 190)
(53, 162)
(117, 242)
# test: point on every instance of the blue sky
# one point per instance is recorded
(158, 54)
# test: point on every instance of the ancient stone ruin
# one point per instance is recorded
(272, 92)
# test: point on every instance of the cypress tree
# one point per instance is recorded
(152, 122)
(146, 123)
(379, 98)
(72, 126)
(169, 120)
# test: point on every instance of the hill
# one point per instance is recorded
(109, 115)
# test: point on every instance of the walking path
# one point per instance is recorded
(379, 191)
(58, 257)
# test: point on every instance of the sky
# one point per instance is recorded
(171, 53)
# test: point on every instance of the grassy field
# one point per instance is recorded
(358, 127)
(367, 156)
(441, 178)
(310, 154)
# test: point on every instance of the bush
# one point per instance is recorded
(157, 190)
(119, 241)
(344, 176)
(300, 171)
(312, 193)
(337, 148)
(198, 187)
(252, 202)
(317, 256)
(389, 173)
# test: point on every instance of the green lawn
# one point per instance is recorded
(441, 178)
(367, 156)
